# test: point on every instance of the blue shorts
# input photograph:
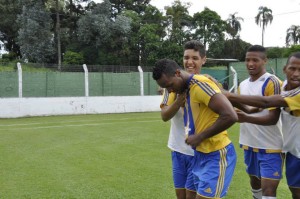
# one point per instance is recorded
(264, 165)
(292, 170)
(182, 171)
(213, 171)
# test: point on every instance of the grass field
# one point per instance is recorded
(109, 156)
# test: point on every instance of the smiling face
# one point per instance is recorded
(172, 83)
(192, 61)
(292, 71)
(255, 63)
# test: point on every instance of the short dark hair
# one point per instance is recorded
(164, 66)
(196, 46)
(258, 48)
(295, 54)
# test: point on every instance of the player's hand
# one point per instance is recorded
(215, 81)
(226, 93)
(180, 99)
(241, 116)
(193, 140)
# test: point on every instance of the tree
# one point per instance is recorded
(34, 36)
(9, 28)
(275, 52)
(262, 19)
(99, 31)
(180, 22)
(234, 25)
(209, 26)
(57, 5)
(292, 35)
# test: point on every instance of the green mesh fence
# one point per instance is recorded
(123, 83)
(9, 84)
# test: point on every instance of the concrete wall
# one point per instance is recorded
(23, 107)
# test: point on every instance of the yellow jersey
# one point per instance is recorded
(198, 116)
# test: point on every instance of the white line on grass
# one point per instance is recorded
(73, 125)
(70, 121)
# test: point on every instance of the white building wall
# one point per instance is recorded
(23, 107)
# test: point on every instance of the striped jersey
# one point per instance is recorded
(291, 122)
(198, 116)
(261, 138)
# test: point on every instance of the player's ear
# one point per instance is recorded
(203, 60)
(177, 72)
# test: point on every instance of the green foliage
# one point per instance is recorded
(292, 49)
(9, 57)
(8, 26)
(73, 58)
(230, 49)
(35, 38)
(209, 26)
(275, 52)
(121, 32)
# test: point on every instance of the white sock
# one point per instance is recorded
(268, 197)
(257, 193)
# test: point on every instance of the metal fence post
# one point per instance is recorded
(20, 81)
(86, 80)
(141, 81)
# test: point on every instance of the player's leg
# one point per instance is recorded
(293, 174)
(179, 174)
(252, 168)
(189, 185)
(213, 172)
(271, 165)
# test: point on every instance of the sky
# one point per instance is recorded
(285, 14)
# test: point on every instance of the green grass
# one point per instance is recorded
(107, 156)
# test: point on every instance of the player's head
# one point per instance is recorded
(194, 56)
(256, 59)
(292, 70)
(167, 74)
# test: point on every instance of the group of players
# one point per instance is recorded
(203, 157)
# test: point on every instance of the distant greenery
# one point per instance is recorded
(12, 66)
(119, 32)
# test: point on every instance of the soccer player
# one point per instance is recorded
(290, 115)
(207, 116)
(194, 56)
(262, 144)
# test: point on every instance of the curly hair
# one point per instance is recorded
(164, 66)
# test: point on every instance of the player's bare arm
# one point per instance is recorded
(270, 119)
(258, 101)
(227, 117)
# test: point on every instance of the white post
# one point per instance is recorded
(86, 80)
(235, 80)
(141, 81)
(20, 79)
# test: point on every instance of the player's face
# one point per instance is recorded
(172, 83)
(292, 71)
(255, 63)
(192, 61)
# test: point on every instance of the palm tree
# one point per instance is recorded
(263, 17)
(292, 35)
(234, 25)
